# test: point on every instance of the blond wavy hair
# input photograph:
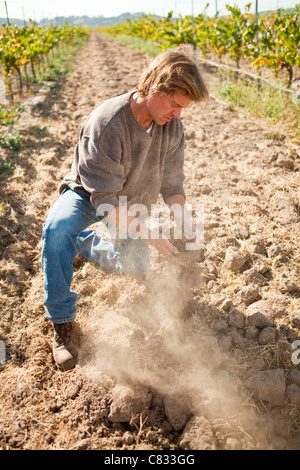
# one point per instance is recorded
(173, 71)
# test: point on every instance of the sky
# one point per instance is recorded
(38, 9)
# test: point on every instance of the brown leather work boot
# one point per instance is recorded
(66, 344)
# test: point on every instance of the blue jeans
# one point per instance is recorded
(65, 234)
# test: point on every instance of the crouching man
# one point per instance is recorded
(130, 146)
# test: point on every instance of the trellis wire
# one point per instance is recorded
(243, 72)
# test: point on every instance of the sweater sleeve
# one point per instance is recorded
(102, 174)
(173, 176)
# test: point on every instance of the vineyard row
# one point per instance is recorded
(27, 46)
(270, 40)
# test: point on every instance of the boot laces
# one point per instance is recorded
(63, 333)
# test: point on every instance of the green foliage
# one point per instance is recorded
(9, 115)
(20, 46)
(12, 143)
(6, 167)
(271, 40)
(266, 103)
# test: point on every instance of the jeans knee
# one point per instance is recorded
(55, 237)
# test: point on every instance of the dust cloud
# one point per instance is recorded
(155, 337)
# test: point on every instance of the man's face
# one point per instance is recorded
(163, 108)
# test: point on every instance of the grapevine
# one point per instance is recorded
(270, 40)
(27, 45)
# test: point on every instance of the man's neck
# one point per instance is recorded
(139, 109)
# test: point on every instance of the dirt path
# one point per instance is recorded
(195, 358)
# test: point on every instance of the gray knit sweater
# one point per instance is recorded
(115, 156)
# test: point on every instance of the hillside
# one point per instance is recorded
(86, 21)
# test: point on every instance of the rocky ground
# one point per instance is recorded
(198, 357)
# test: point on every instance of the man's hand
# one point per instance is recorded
(120, 218)
(165, 248)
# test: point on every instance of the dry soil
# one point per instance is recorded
(196, 357)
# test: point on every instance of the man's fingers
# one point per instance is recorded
(169, 251)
